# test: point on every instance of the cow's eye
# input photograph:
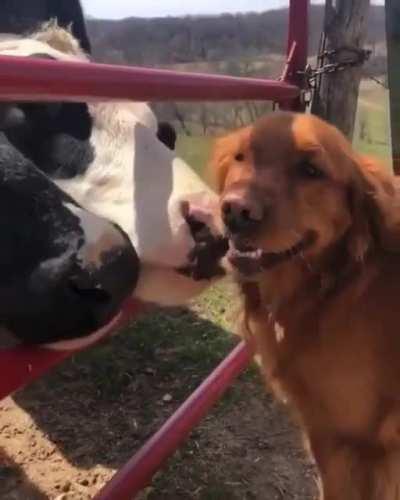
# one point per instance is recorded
(308, 170)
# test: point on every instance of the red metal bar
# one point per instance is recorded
(298, 33)
(43, 80)
(137, 473)
(289, 62)
(297, 49)
(22, 365)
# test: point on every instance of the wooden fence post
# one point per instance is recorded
(392, 8)
(345, 26)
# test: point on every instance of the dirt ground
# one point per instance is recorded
(65, 435)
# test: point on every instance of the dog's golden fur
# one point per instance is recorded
(326, 321)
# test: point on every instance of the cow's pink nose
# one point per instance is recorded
(200, 211)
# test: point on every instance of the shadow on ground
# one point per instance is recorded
(99, 406)
(13, 479)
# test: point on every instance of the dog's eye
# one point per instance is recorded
(310, 171)
(239, 157)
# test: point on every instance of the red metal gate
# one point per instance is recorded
(44, 80)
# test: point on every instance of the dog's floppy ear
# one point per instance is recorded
(375, 200)
(227, 150)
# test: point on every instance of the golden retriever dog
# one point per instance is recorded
(314, 232)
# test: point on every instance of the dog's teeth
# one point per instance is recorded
(249, 254)
(254, 254)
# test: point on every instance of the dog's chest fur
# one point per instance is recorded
(330, 362)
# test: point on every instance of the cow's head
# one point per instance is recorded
(108, 157)
(64, 272)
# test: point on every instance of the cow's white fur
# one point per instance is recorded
(134, 180)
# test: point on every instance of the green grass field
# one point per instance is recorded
(194, 150)
(373, 114)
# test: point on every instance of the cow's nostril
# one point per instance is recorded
(85, 289)
(196, 226)
(245, 214)
(226, 208)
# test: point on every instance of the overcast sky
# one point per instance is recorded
(117, 9)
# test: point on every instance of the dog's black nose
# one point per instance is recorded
(240, 215)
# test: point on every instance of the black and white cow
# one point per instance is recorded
(64, 272)
(109, 158)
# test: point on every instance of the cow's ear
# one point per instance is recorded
(69, 13)
(166, 133)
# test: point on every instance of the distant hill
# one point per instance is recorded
(173, 40)
(242, 45)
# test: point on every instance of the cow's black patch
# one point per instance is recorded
(46, 293)
(25, 16)
(167, 135)
(54, 136)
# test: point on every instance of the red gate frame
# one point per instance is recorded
(43, 80)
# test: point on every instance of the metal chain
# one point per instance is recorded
(326, 63)
(312, 74)
(315, 84)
